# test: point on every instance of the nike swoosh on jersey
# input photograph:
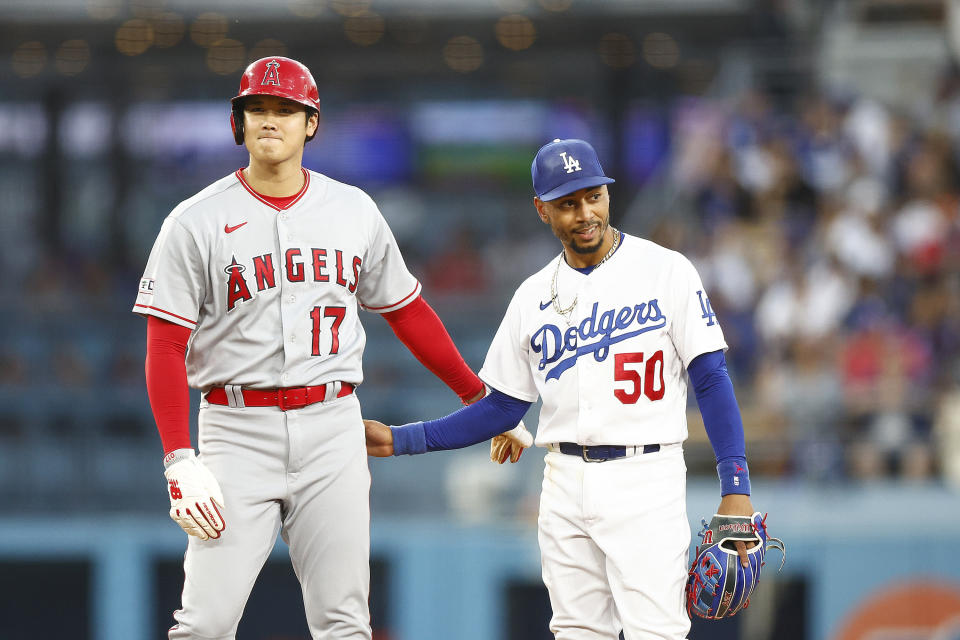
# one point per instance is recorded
(544, 305)
(228, 229)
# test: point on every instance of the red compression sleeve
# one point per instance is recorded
(420, 329)
(167, 382)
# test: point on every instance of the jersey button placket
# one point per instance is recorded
(584, 307)
(287, 299)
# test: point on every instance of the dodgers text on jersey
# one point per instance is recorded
(553, 343)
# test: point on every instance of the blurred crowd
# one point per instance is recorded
(826, 230)
(829, 236)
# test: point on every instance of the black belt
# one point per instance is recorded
(604, 452)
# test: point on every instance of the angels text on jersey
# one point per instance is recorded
(297, 266)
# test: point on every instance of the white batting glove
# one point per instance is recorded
(196, 502)
(510, 444)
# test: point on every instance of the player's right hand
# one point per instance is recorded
(379, 439)
(196, 502)
(510, 444)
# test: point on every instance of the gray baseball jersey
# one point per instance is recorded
(272, 295)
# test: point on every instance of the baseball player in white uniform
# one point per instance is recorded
(605, 334)
(251, 294)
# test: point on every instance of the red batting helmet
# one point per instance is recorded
(274, 76)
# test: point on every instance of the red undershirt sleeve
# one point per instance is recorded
(419, 328)
(166, 373)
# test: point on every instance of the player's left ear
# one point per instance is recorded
(313, 124)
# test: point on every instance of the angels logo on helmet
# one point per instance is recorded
(271, 76)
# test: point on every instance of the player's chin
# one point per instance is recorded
(269, 151)
(269, 145)
(582, 247)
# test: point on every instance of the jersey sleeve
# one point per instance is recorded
(385, 282)
(507, 366)
(694, 329)
(172, 284)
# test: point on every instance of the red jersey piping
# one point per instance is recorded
(404, 299)
(265, 199)
(173, 315)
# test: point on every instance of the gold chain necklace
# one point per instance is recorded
(556, 272)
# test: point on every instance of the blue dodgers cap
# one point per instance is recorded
(564, 166)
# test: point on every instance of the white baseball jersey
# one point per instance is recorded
(272, 294)
(614, 372)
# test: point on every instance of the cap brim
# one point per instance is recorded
(574, 185)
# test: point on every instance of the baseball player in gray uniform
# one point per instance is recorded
(605, 334)
(251, 293)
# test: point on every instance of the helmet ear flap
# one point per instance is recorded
(236, 123)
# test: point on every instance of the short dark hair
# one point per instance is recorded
(240, 105)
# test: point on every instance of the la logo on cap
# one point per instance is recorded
(564, 166)
(571, 164)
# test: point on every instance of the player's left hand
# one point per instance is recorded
(379, 439)
(510, 444)
(718, 586)
(196, 501)
(735, 504)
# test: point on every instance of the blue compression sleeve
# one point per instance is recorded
(721, 419)
(480, 421)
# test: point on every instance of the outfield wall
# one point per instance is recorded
(113, 577)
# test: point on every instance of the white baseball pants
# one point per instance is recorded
(614, 545)
(303, 473)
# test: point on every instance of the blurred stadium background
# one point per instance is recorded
(804, 153)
